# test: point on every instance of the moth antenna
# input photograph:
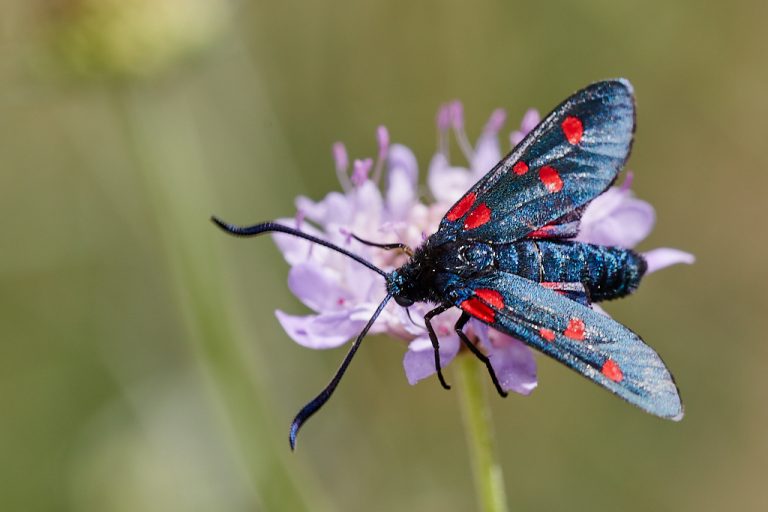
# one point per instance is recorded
(313, 406)
(271, 227)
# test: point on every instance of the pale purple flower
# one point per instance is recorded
(529, 122)
(617, 218)
(343, 295)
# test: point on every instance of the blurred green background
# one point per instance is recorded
(142, 367)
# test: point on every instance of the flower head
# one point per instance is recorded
(343, 295)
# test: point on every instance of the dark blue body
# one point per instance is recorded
(605, 272)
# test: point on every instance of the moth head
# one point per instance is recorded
(400, 284)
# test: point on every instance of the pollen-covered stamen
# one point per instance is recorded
(626, 185)
(456, 110)
(612, 370)
(382, 136)
(360, 170)
(299, 218)
(443, 121)
(495, 122)
(551, 179)
(341, 160)
(444, 117)
(456, 115)
(528, 123)
(477, 217)
(347, 234)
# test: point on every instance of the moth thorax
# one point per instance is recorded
(477, 255)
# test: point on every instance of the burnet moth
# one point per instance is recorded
(505, 255)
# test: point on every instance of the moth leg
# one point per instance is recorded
(435, 343)
(387, 247)
(471, 346)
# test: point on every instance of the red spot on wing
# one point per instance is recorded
(550, 178)
(554, 286)
(462, 207)
(542, 232)
(492, 297)
(477, 217)
(520, 168)
(573, 129)
(612, 371)
(547, 334)
(478, 309)
(575, 329)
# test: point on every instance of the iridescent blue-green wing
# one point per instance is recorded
(589, 342)
(570, 158)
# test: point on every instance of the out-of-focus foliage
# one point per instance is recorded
(133, 38)
(142, 367)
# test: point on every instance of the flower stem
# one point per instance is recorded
(178, 192)
(489, 482)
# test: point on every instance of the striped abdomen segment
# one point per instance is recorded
(606, 272)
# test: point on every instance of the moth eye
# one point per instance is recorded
(403, 301)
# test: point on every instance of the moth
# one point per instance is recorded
(505, 254)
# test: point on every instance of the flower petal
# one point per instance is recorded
(487, 154)
(368, 206)
(402, 178)
(419, 360)
(487, 150)
(447, 183)
(296, 250)
(326, 330)
(663, 257)
(413, 324)
(401, 157)
(365, 285)
(382, 137)
(529, 122)
(616, 218)
(333, 208)
(511, 359)
(360, 170)
(318, 287)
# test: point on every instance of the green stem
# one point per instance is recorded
(488, 478)
(161, 144)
